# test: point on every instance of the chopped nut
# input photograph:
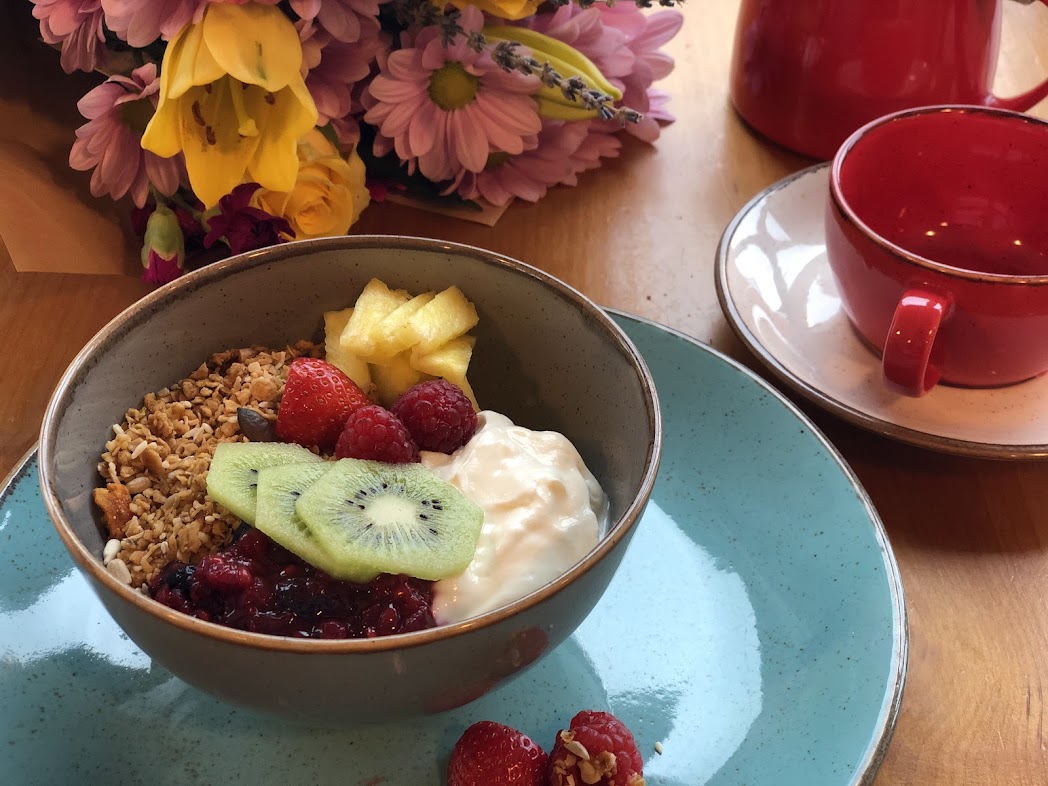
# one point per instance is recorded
(115, 502)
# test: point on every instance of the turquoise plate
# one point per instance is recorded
(755, 629)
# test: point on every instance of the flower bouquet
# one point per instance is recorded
(233, 125)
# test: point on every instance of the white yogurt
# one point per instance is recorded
(543, 512)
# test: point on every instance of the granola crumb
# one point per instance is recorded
(156, 464)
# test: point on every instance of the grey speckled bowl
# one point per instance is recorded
(546, 356)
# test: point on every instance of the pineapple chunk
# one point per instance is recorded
(394, 378)
(450, 362)
(375, 303)
(391, 336)
(352, 366)
(445, 317)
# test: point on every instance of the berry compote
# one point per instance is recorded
(257, 585)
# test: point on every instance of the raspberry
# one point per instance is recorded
(438, 415)
(376, 434)
(491, 754)
(598, 749)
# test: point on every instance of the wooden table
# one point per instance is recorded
(971, 536)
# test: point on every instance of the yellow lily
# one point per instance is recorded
(567, 61)
(504, 9)
(233, 100)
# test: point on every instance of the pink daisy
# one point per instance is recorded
(110, 142)
(449, 108)
(333, 68)
(141, 22)
(345, 20)
(645, 33)
(554, 157)
(77, 26)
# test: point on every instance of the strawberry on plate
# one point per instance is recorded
(318, 400)
(491, 754)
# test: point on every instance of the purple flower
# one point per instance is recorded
(245, 228)
(141, 22)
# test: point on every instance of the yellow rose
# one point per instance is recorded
(328, 195)
(233, 101)
(504, 9)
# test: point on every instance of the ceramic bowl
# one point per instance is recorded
(546, 356)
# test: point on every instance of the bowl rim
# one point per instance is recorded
(138, 312)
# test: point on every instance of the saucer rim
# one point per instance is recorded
(824, 400)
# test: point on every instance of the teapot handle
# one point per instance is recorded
(1023, 101)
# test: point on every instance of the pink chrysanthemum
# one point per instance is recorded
(77, 26)
(554, 157)
(333, 68)
(345, 20)
(141, 22)
(645, 33)
(110, 142)
(449, 108)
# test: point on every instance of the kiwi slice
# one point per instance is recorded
(232, 479)
(278, 490)
(374, 518)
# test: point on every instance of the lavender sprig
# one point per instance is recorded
(423, 13)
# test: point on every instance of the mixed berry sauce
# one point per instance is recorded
(257, 585)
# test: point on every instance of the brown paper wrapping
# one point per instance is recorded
(49, 222)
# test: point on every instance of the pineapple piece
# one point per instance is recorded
(391, 336)
(447, 316)
(450, 362)
(353, 367)
(394, 378)
(375, 303)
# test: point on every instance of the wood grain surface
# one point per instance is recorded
(971, 536)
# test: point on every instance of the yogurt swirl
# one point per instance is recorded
(543, 512)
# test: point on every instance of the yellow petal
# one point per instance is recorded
(162, 133)
(282, 118)
(216, 154)
(254, 43)
(191, 64)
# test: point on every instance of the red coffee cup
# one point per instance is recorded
(807, 73)
(937, 236)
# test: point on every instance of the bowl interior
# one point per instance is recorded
(543, 356)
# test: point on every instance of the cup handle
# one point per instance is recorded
(1023, 101)
(908, 349)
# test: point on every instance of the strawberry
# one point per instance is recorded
(318, 400)
(490, 754)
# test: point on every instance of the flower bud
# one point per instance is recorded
(163, 251)
(566, 61)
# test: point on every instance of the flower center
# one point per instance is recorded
(451, 87)
(137, 114)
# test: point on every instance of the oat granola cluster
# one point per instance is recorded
(155, 502)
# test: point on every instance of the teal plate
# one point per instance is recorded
(756, 629)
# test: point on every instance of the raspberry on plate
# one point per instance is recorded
(491, 754)
(318, 398)
(438, 415)
(375, 434)
(598, 750)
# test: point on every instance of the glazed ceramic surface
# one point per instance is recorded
(778, 293)
(545, 356)
(808, 74)
(936, 237)
(755, 628)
